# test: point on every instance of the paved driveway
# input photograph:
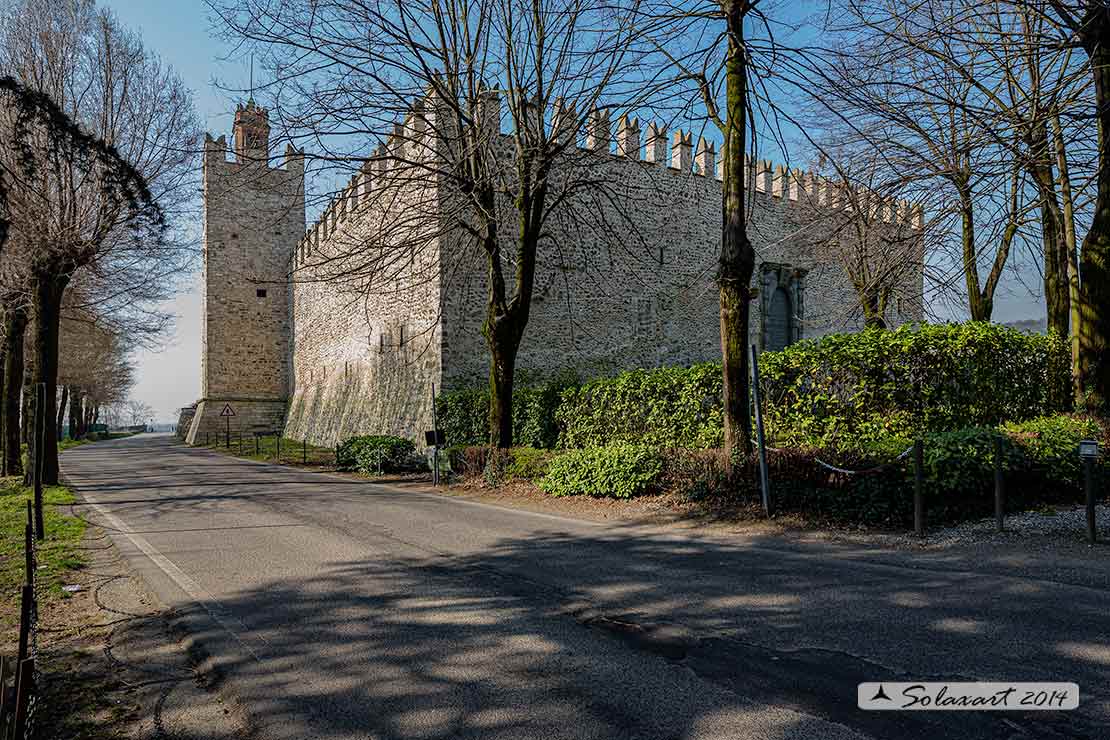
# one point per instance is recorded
(343, 609)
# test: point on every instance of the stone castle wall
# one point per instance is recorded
(366, 318)
(388, 298)
(253, 216)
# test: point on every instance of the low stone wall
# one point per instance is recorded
(251, 415)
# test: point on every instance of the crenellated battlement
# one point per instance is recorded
(411, 142)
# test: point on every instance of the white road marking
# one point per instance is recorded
(194, 590)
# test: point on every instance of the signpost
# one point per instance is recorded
(1088, 453)
(435, 438)
(764, 481)
(227, 413)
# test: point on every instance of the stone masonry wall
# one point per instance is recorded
(253, 218)
(388, 298)
(366, 323)
(637, 287)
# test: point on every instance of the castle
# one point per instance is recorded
(346, 328)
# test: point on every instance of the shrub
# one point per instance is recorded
(374, 453)
(667, 407)
(464, 414)
(846, 390)
(616, 471)
(1051, 443)
(468, 460)
(528, 463)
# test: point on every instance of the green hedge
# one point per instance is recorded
(373, 453)
(1038, 470)
(847, 389)
(1051, 444)
(616, 471)
(842, 391)
(665, 407)
(464, 414)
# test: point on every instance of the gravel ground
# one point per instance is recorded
(1052, 525)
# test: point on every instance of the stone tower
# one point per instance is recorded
(254, 217)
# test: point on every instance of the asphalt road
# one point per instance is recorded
(341, 609)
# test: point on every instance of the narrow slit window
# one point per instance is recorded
(261, 292)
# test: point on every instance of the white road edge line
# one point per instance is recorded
(194, 590)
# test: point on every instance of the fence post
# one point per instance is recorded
(1089, 494)
(278, 458)
(28, 548)
(764, 479)
(256, 450)
(40, 437)
(26, 611)
(304, 451)
(919, 488)
(24, 678)
(999, 487)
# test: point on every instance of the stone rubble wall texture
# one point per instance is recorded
(253, 217)
(366, 312)
(388, 295)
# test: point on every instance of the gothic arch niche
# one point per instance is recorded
(781, 305)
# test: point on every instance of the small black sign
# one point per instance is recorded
(435, 438)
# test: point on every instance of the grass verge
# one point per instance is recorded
(57, 555)
(289, 452)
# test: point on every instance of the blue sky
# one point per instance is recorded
(180, 32)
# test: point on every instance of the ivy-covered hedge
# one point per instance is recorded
(848, 389)
(375, 453)
(464, 414)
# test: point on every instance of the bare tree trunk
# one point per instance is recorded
(48, 290)
(1072, 253)
(1052, 230)
(75, 413)
(737, 259)
(980, 303)
(15, 328)
(507, 318)
(874, 308)
(26, 415)
(60, 425)
(1094, 268)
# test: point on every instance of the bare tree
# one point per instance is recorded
(342, 72)
(871, 231)
(105, 215)
(1086, 24)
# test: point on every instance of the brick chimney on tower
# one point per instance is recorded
(251, 133)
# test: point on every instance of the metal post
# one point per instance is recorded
(919, 488)
(435, 447)
(257, 452)
(227, 437)
(304, 451)
(26, 610)
(40, 441)
(24, 678)
(1089, 490)
(999, 490)
(278, 446)
(764, 481)
(29, 546)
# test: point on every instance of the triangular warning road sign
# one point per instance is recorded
(227, 410)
